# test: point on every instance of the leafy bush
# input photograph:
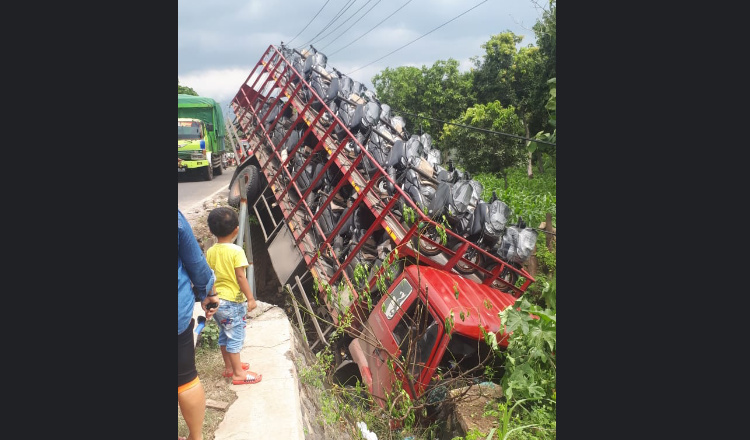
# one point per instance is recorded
(209, 337)
(530, 359)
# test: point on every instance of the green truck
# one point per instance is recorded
(200, 136)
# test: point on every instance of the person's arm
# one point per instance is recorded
(189, 251)
(245, 287)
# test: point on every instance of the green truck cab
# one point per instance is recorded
(200, 136)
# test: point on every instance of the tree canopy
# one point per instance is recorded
(439, 92)
(482, 151)
(185, 90)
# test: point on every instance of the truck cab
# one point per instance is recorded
(409, 324)
(191, 147)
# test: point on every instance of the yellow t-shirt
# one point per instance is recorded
(223, 258)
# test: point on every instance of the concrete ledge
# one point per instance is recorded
(268, 350)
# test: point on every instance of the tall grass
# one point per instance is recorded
(530, 199)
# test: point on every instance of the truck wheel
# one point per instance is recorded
(250, 177)
(346, 374)
(208, 174)
(218, 170)
(253, 184)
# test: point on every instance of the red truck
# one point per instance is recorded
(349, 250)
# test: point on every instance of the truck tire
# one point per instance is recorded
(250, 177)
(253, 184)
(219, 167)
(208, 173)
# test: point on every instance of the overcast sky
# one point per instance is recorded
(220, 41)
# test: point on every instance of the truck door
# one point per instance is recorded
(400, 326)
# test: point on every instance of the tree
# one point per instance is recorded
(185, 90)
(515, 78)
(490, 82)
(551, 106)
(546, 38)
(439, 92)
(479, 151)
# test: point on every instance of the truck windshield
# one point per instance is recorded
(188, 133)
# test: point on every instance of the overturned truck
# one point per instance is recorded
(352, 215)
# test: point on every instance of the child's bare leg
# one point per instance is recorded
(227, 361)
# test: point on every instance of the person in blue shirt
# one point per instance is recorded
(194, 279)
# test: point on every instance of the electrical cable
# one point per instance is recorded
(475, 128)
(386, 18)
(418, 38)
(350, 26)
(348, 5)
(308, 24)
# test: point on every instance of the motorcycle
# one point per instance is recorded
(516, 248)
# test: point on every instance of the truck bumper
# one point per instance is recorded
(190, 164)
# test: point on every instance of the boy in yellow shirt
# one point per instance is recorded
(228, 262)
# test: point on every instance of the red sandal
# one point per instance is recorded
(249, 379)
(245, 366)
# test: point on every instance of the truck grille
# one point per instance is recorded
(187, 155)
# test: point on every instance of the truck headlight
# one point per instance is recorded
(198, 155)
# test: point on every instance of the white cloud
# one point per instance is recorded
(219, 84)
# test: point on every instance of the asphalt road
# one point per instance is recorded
(192, 190)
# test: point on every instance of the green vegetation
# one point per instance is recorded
(530, 199)
(210, 334)
(184, 90)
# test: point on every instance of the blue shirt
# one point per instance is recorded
(192, 269)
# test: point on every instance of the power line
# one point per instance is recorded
(386, 18)
(474, 128)
(350, 26)
(348, 5)
(308, 24)
(423, 35)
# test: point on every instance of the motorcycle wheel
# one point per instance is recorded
(471, 255)
(425, 247)
(507, 275)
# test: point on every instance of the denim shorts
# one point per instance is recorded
(231, 319)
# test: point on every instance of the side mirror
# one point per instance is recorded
(210, 127)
